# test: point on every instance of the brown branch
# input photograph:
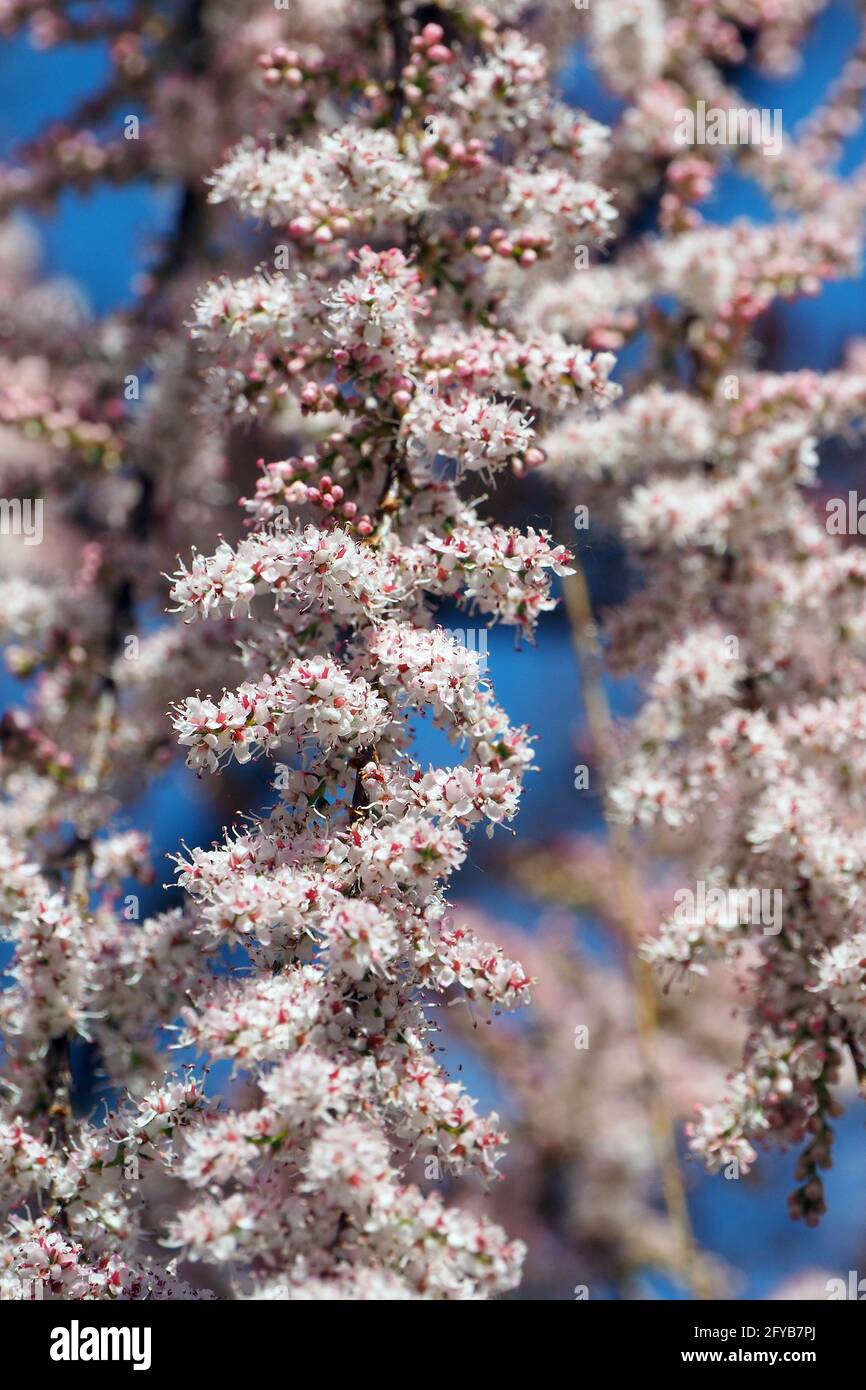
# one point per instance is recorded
(396, 26)
(58, 1082)
(599, 719)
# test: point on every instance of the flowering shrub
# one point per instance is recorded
(398, 362)
(460, 256)
(584, 1188)
(748, 624)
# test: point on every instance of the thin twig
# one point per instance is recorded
(58, 1084)
(600, 722)
(396, 26)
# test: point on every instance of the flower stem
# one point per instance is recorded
(600, 722)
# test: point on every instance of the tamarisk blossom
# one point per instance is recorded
(338, 894)
(584, 1187)
(748, 627)
(408, 317)
(361, 524)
